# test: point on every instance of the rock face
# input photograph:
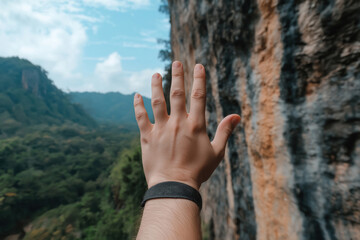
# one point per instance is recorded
(291, 69)
(31, 81)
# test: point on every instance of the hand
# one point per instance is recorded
(177, 147)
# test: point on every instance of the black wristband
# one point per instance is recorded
(172, 190)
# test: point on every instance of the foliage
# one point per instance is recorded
(94, 216)
(165, 54)
(129, 185)
(164, 7)
(61, 166)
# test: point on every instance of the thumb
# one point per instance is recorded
(223, 132)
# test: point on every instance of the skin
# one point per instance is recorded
(177, 148)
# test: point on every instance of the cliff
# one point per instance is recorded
(31, 82)
(28, 98)
(291, 69)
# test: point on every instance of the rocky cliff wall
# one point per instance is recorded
(31, 80)
(291, 69)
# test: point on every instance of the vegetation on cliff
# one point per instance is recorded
(28, 97)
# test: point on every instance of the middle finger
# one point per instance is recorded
(177, 91)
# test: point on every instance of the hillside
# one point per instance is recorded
(62, 175)
(28, 97)
(112, 107)
(68, 183)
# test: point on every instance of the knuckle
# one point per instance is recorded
(137, 103)
(140, 115)
(156, 82)
(177, 93)
(228, 131)
(157, 101)
(144, 139)
(196, 127)
(198, 94)
(177, 74)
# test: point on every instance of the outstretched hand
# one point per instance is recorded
(177, 147)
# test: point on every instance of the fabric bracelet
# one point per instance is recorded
(173, 190)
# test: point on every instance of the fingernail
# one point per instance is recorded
(176, 64)
(137, 95)
(235, 121)
(156, 75)
(198, 67)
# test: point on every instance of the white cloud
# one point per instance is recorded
(109, 76)
(102, 58)
(44, 33)
(54, 34)
(110, 68)
(141, 81)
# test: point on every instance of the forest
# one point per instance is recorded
(63, 175)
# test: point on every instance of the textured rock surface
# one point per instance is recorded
(31, 81)
(291, 69)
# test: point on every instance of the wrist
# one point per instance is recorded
(186, 180)
(173, 190)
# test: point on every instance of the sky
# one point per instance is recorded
(87, 45)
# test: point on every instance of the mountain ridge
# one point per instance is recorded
(110, 107)
(28, 98)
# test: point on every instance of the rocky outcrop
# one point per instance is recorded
(31, 81)
(291, 69)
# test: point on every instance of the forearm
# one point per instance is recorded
(168, 218)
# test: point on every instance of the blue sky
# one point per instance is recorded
(87, 45)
